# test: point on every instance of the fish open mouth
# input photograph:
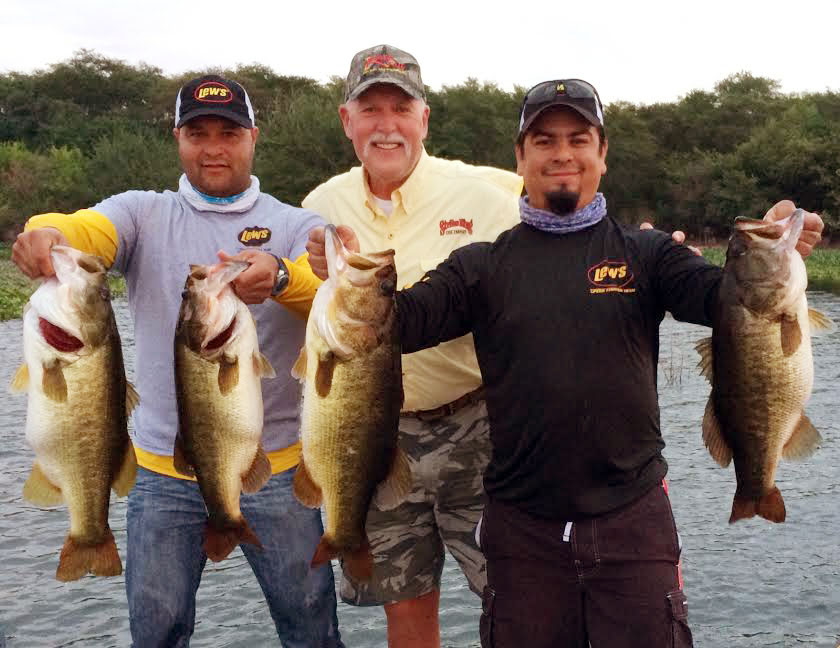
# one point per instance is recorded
(222, 337)
(58, 338)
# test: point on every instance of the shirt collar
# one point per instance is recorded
(408, 193)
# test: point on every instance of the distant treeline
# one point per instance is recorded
(92, 126)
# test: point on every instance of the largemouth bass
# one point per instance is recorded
(78, 407)
(351, 372)
(759, 363)
(218, 367)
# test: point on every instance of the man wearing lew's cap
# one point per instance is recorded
(580, 540)
(423, 207)
(152, 238)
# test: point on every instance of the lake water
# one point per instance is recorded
(748, 584)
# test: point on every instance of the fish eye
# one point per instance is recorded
(185, 293)
(89, 266)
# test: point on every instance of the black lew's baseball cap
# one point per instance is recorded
(384, 64)
(574, 93)
(213, 95)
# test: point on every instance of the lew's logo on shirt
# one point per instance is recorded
(213, 92)
(254, 236)
(456, 226)
(611, 276)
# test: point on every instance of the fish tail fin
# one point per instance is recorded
(770, 506)
(221, 539)
(359, 563)
(324, 552)
(78, 559)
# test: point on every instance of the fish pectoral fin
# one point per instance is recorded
(20, 382)
(712, 436)
(228, 374)
(262, 367)
(132, 398)
(392, 490)
(820, 323)
(299, 368)
(258, 474)
(124, 480)
(307, 491)
(53, 383)
(324, 374)
(179, 459)
(704, 348)
(41, 491)
(803, 442)
(791, 335)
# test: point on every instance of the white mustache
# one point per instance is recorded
(387, 139)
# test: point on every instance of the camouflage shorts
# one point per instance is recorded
(448, 457)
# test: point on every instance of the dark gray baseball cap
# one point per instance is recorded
(384, 64)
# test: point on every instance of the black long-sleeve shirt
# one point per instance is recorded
(566, 332)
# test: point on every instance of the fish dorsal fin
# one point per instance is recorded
(820, 323)
(299, 368)
(179, 459)
(307, 491)
(791, 335)
(262, 367)
(41, 491)
(393, 489)
(132, 398)
(124, 481)
(53, 383)
(258, 474)
(803, 442)
(704, 348)
(20, 382)
(228, 374)
(712, 437)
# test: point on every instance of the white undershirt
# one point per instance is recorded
(385, 205)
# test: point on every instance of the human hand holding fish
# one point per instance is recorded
(812, 225)
(317, 250)
(254, 285)
(31, 251)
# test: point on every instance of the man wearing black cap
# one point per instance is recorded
(581, 545)
(152, 238)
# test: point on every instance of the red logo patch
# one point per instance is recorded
(382, 62)
(456, 226)
(213, 92)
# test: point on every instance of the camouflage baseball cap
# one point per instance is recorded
(384, 64)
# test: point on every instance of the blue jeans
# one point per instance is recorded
(166, 518)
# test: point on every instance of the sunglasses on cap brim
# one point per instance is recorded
(548, 90)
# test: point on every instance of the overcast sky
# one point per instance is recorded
(642, 51)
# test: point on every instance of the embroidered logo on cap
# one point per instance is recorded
(382, 62)
(611, 276)
(254, 236)
(213, 92)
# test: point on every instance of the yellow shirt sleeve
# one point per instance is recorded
(302, 286)
(86, 230)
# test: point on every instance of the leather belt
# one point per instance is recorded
(449, 408)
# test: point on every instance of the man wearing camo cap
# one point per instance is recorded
(423, 207)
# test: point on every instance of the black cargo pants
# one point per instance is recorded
(610, 581)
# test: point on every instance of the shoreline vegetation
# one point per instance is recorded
(823, 274)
